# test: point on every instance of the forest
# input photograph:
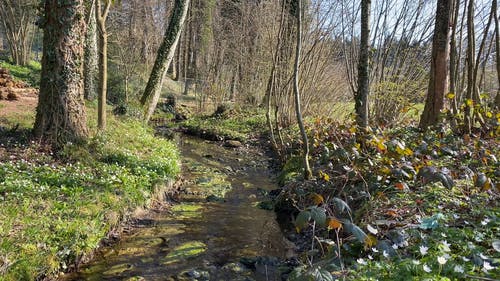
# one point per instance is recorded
(249, 140)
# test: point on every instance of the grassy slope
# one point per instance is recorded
(29, 74)
(55, 209)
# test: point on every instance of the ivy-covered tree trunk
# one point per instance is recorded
(438, 80)
(91, 68)
(61, 115)
(361, 99)
(165, 54)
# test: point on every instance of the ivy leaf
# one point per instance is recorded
(318, 215)
(320, 274)
(302, 220)
(356, 231)
(496, 245)
(341, 205)
(431, 222)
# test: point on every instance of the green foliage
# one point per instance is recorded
(29, 74)
(56, 209)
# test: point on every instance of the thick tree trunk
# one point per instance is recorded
(305, 140)
(91, 68)
(61, 113)
(361, 99)
(438, 78)
(165, 54)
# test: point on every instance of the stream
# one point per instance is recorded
(217, 232)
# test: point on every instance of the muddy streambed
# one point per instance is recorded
(217, 232)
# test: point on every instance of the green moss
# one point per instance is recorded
(186, 210)
(185, 251)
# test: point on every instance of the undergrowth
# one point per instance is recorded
(57, 207)
(406, 205)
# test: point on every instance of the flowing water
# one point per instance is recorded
(217, 225)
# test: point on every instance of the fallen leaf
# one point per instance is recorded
(333, 223)
(317, 198)
(402, 186)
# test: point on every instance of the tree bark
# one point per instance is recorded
(361, 99)
(101, 16)
(61, 115)
(471, 86)
(165, 54)
(497, 45)
(296, 90)
(438, 80)
(91, 67)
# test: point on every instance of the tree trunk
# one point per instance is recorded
(91, 68)
(497, 45)
(471, 86)
(61, 116)
(101, 16)
(165, 54)
(454, 62)
(361, 99)
(307, 168)
(438, 80)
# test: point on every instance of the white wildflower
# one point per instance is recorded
(427, 268)
(385, 254)
(485, 221)
(487, 266)
(441, 260)
(446, 246)
(375, 250)
(423, 250)
(361, 261)
(458, 268)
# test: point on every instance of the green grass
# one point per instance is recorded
(56, 209)
(29, 74)
(236, 125)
